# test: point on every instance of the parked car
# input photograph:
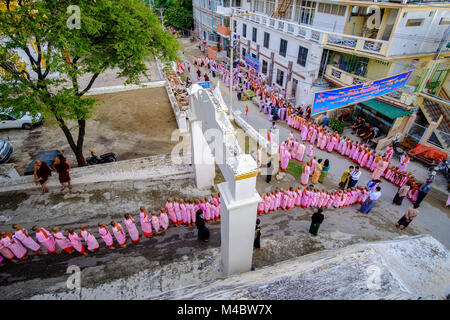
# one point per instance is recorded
(6, 151)
(47, 156)
(11, 120)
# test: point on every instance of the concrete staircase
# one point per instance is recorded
(160, 167)
(433, 111)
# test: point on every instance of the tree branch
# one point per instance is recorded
(91, 82)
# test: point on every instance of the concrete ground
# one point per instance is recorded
(132, 124)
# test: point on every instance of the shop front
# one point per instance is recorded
(381, 115)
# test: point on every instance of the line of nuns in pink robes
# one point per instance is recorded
(15, 246)
(310, 197)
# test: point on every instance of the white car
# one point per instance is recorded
(24, 120)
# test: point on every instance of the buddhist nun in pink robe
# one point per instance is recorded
(75, 240)
(146, 225)
(285, 160)
(207, 213)
(89, 238)
(171, 211)
(163, 220)
(106, 235)
(260, 207)
(45, 238)
(331, 143)
(23, 236)
(119, 233)
(183, 209)
(301, 151)
(14, 245)
(298, 198)
(176, 206)
(380, 168)
(310, 150)
(305, 175)
(8, 254)
(131, 227)
(62, 241)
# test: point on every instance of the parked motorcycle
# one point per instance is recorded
(395, 145)
(443, 167)
(104, 158)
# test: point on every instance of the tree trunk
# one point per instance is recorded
(76, 148)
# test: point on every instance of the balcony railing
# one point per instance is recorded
(338, 40)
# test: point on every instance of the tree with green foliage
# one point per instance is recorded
(178, 13)
(122, 34)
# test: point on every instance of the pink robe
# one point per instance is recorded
(380, 168)
(106, 236)
(403, 166)
(45, 238)
(285, 160)
(171, 212)
(304, 133)
(278, 201)
(177, 208)
(132, 229)
(319, 138)
(63, 242)
(369, 162)
(8, 254)
(260, 208)
(364, 159)
(146, 225)
(310, 150)
(26, 240)
(305, 175)
(120, 235)
(295, 150)
(298, 198)
(92, 243)
(16, 248)
(323, 143)
(163, 220)
(75, 240)
(331, 143)
(301, 151)
(207, 213)
(272, 202)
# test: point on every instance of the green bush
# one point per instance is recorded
(337, 125)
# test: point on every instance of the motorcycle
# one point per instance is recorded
(395, 145)
(104, 158)
(443, 167)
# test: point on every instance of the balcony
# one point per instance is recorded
(356, 44)
(223, 31)
(404, 97)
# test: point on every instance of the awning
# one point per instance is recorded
(390, 111)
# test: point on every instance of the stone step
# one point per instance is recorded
(160, 167)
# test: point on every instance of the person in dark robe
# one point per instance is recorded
(357, 125)
(368, 136)
(203, 231)
(308, 112)
(401, 194)
(206, 77)
(269, 171)
(41, 173)
(257, 242)
(316, 220)
(61, 166)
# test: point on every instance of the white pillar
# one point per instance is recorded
(202, 159)
(237, 225)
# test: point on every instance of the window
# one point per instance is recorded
(254, 34)
(266, 40)
(264, 67)
(244, 30)
(302, 56)
(444, 21)
(280, 77)
(414, 22)
(243, 53)
(259, 6)
(253, 55)
(270, 7)
(304, 11)
(235, 26)
(283, 47)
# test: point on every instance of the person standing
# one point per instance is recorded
(381, 166)
(325, 169)
(45, 238)
(354, 177)
(409, 215)
(423, 191)
(146, 224)
(203, 231)
(119, 234)
(317, 171)
(75, 240)
(257, 242)
(269, 171)
(131, 227)
(316, 221)
(401, 193)
(368, 205)
(89, 238)
(15, 246)
(345, 177)
(62, 241)
(41, 173)
(61, 166)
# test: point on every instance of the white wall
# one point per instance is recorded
(420, 39)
